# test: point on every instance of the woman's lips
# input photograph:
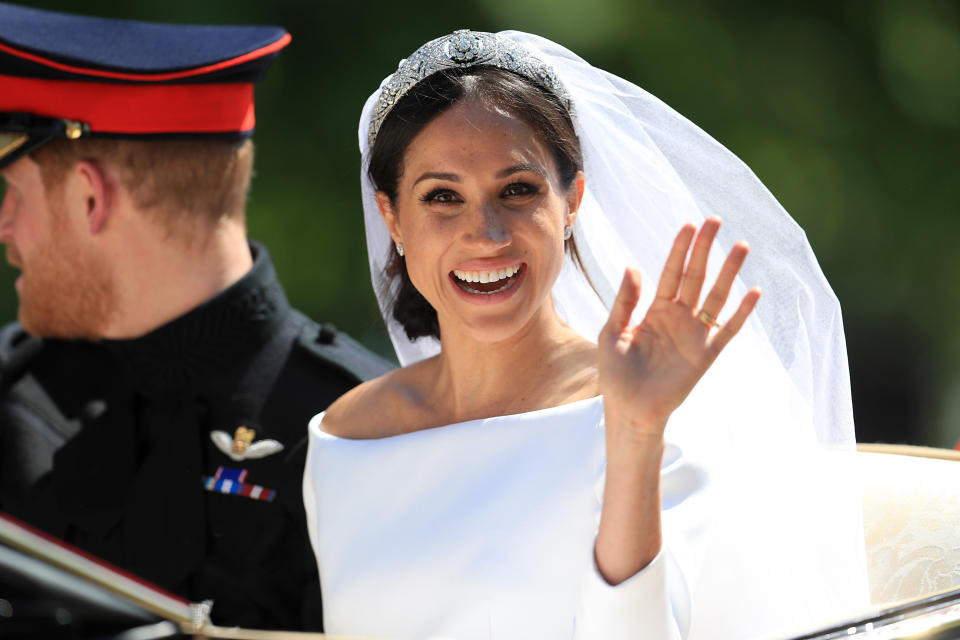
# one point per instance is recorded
(488, 286)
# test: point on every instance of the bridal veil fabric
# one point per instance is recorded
(774, 542)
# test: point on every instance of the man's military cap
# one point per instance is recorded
(69, 76)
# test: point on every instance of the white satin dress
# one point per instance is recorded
(480, 530)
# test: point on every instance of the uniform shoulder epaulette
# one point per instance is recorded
(17, 350)
(342, 351)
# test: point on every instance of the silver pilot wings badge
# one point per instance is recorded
(242, 447)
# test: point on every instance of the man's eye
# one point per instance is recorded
(518, 189)
(3, 188)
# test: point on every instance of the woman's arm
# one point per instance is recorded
(646, 371)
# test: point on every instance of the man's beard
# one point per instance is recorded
(66, 293)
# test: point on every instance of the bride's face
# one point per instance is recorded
(481, 214)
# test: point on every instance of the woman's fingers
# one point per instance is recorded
(732, 326)
(625, 303)
(682, 282)
(728, 273)
(697, 266)
(673, 269)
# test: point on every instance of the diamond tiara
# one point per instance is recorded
(461, 49)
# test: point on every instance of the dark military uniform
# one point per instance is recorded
(108, 445)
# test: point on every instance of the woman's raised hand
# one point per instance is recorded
(647, 370)
(645, 373)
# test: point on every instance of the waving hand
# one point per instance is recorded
(645, 373)
(647, 370)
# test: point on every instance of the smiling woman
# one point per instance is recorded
(519, 478)
(481, 193)
(509, 101)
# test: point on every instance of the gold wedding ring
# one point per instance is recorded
(707, 319)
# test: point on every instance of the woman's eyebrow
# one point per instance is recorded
(452, 177)
(518, 168)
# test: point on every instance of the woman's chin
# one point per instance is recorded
(489, 331)
(487, 328)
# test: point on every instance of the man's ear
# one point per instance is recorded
(90, 193)
(575, 197)
(388, 215)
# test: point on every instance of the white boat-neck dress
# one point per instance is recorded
(480, 530)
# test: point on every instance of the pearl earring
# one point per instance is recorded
(567, 233)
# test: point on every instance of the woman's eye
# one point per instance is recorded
(440, 196)
(519, 189)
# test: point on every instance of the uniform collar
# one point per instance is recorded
(209, 342)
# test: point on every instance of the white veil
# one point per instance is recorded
(778, 544)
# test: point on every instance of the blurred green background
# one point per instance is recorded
(848, 111)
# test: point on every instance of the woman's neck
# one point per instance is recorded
(544, 364)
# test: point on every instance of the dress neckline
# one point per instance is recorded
(568, 407)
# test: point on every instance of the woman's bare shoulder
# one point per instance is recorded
(377, 408)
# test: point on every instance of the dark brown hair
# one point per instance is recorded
(537, 107)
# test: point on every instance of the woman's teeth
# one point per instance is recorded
(486, 282)
(486, 276)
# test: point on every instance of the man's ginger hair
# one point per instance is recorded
(178, 182)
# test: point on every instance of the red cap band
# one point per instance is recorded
(135, 109)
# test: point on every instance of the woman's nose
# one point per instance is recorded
(487, 227)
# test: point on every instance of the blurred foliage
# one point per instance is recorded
(849, 112)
